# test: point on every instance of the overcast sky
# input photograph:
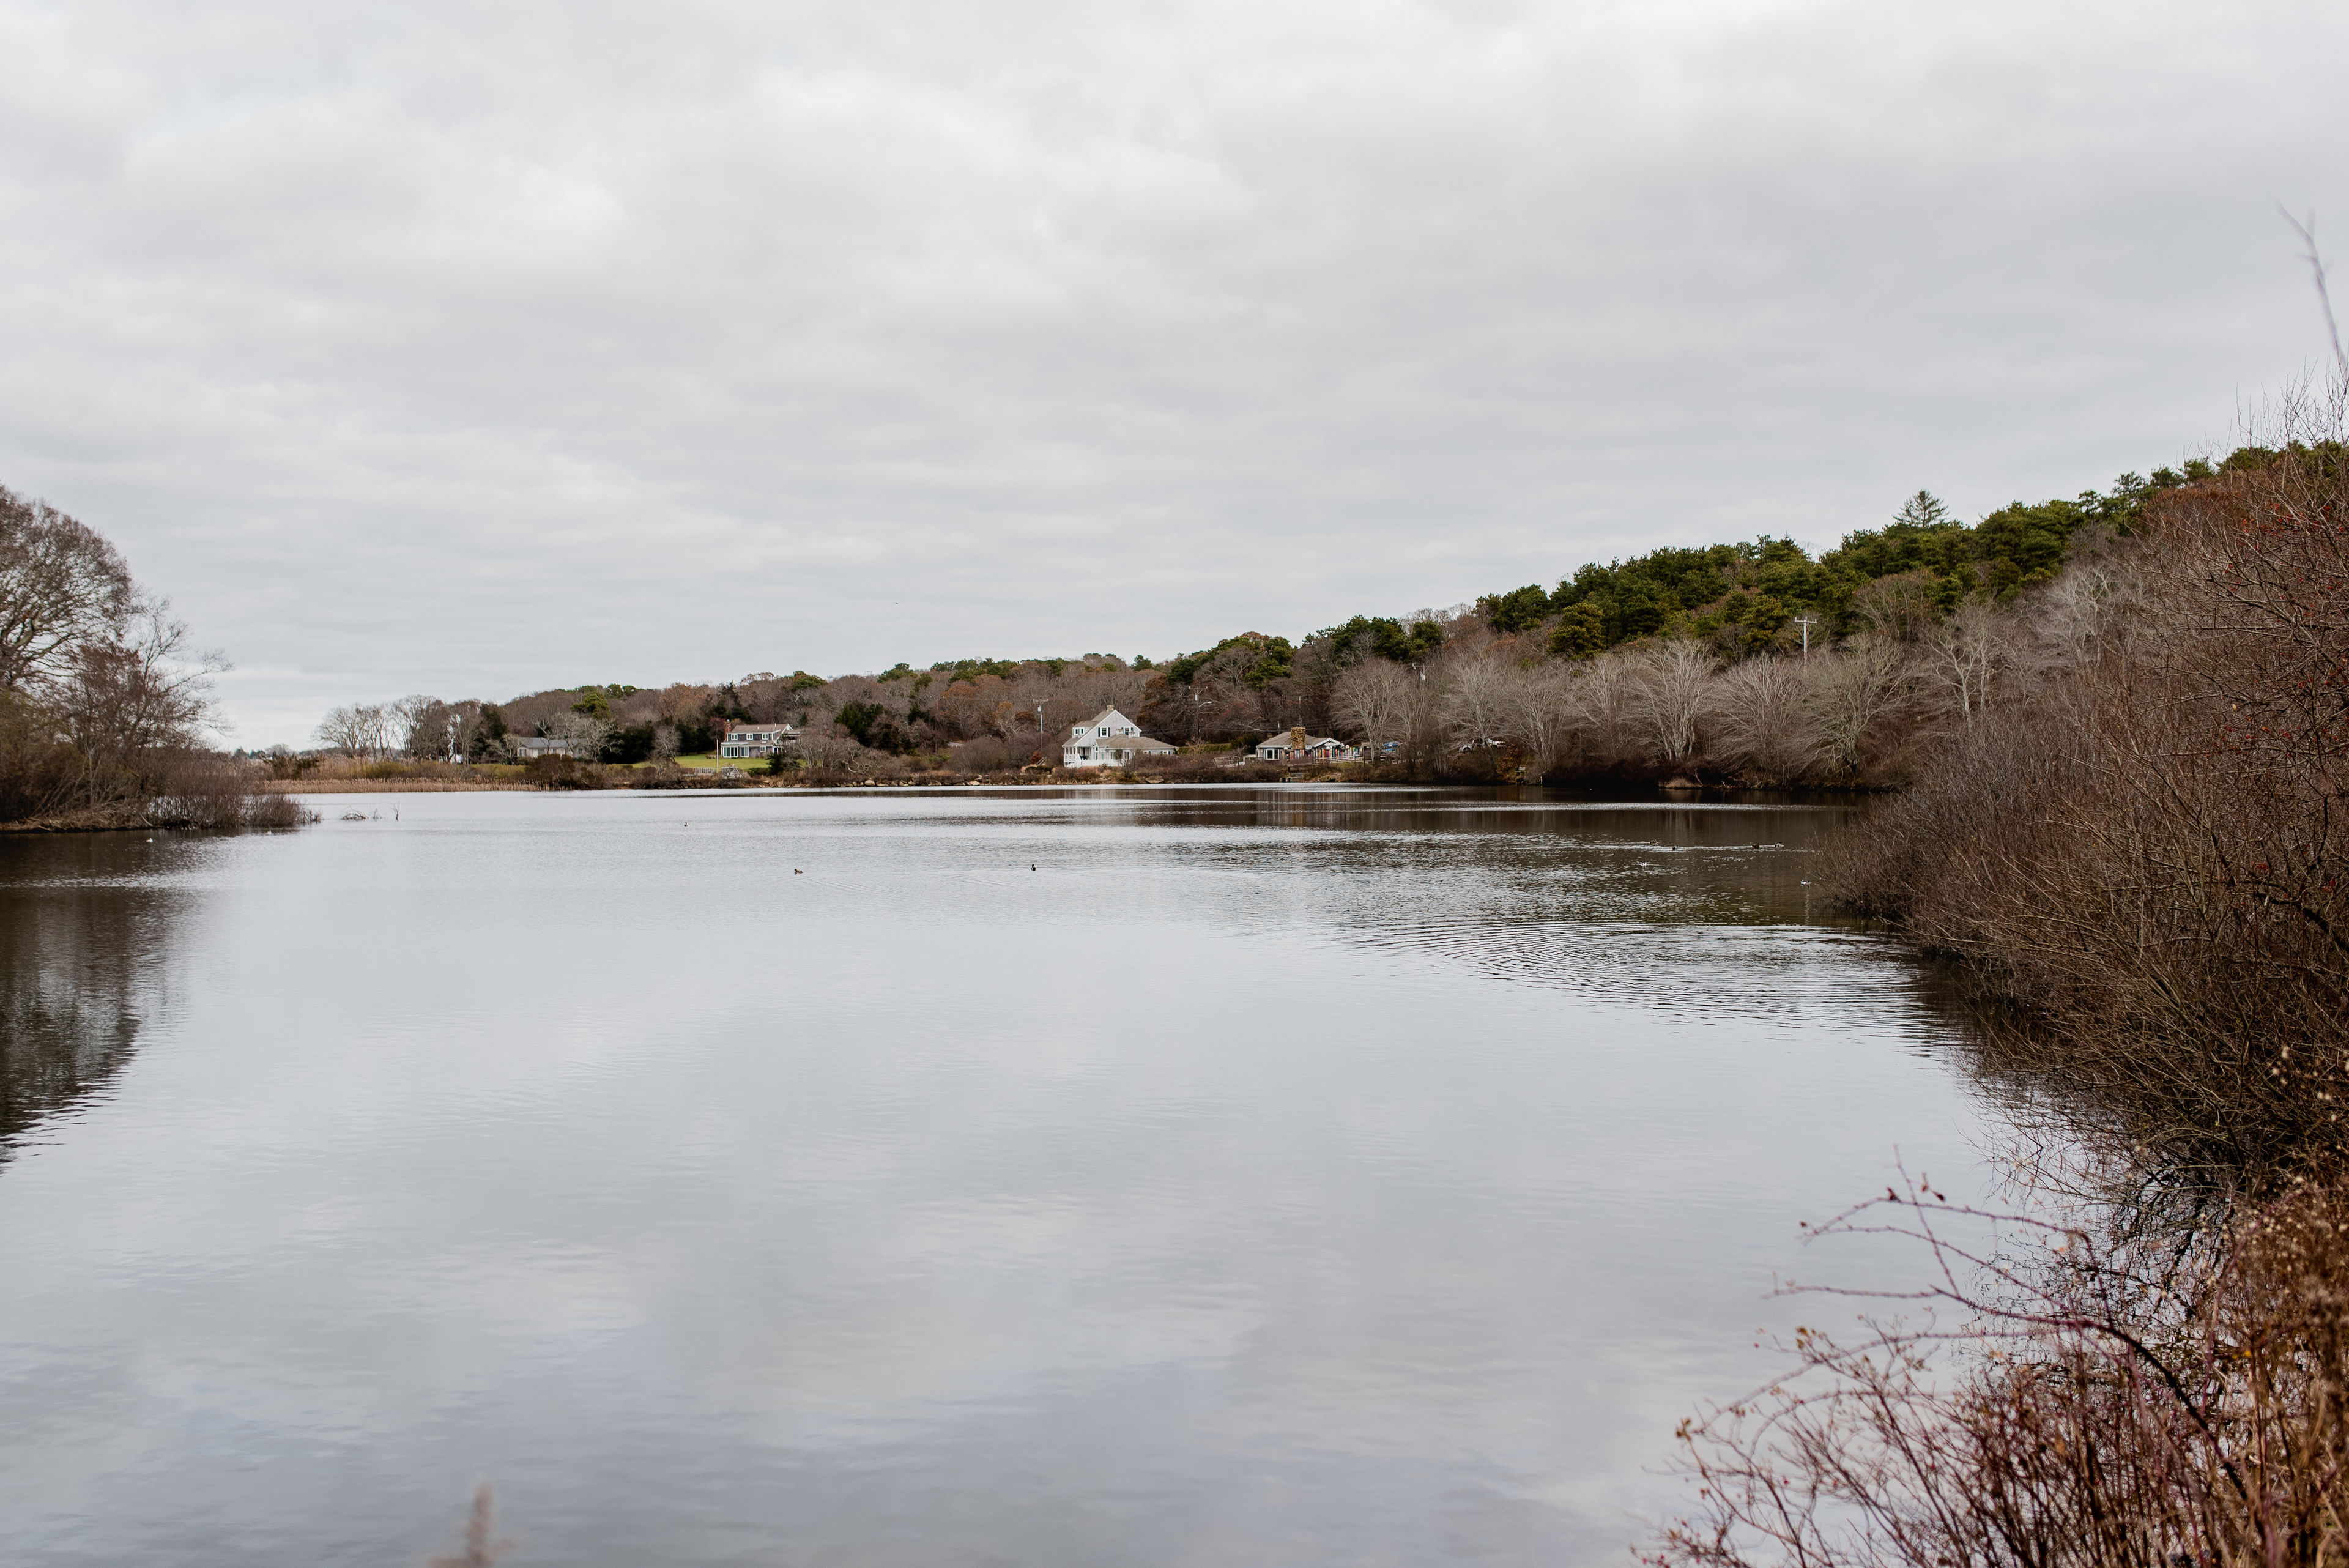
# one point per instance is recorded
(474, 349)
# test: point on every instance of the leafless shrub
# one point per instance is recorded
(40, 774)
(199, 789)
(275, 812)
(558, 772)
(2098, 598)
(1762, 722)
(2151, 860)
(1853, 691)
(2108, 1397)
(988, 754)
(832, 752)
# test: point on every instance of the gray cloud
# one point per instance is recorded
(470, 349)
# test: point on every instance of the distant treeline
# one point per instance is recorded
(1750, 659)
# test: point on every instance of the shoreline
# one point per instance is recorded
(132, 821)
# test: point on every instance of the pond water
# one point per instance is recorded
(1090, 1176)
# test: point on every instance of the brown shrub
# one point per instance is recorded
(987, 754)
(2117, 1400)
(205, 789)
(2152, 862)
(558, 772)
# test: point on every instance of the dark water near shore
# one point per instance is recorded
(1276, 1176)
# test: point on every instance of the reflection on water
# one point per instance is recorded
(81, 962)
(1053, 1178)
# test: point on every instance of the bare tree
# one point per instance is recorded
(1962, 657)
(1599, 700)
(1669, 698)
(1374, 700)
(1762, 719)
(1473, 697)
(356, 731)
(62, 586)
(124, 700)
(1850, 690)
(590, 733)
(1534, 708)
(2094, 599)
(420, 730)
(1425, 691)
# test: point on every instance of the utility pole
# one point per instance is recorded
(1806, 623)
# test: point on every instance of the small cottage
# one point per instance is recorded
(1109, 740)
(1297, 746)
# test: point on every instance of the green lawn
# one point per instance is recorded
(709, 762)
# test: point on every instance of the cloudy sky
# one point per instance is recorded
(471, 348)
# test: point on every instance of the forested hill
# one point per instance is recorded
(1729, 602)
(1745, 597)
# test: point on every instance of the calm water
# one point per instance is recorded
(1147, 1177)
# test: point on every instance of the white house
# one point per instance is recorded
(529, 746)
(1109, 740)
(755, 740)
(1297, 746)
